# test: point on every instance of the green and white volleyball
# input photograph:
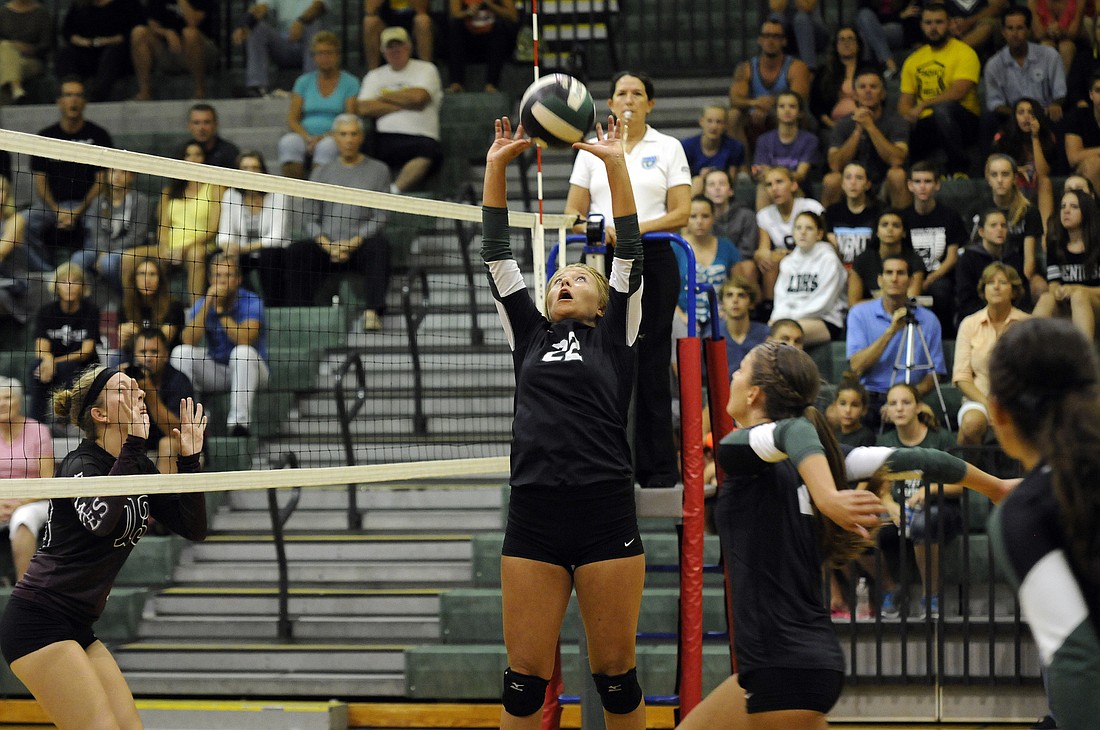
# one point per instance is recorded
(557, 111)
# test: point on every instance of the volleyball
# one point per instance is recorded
(557, 111)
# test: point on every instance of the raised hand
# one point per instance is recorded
(192, 428)
(506, 145)
(607, 146)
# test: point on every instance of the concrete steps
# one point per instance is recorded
(358, 599)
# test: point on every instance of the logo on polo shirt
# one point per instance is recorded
(649, 162)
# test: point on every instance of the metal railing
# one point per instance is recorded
(279, 518)
(353, 363)
(414, 312)
(977, 636)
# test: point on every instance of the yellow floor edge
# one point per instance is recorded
(27, 715)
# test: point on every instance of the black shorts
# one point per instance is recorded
(397, 149)
(27, 627)
(572, 527)
(775, 689)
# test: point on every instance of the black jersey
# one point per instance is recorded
(1063, 611)
(771, 548)
(87, 539)
(573, 382)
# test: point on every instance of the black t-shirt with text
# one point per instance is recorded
(933, 232)
(66, 332)
(853, 231)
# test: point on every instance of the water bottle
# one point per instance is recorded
(863, 600)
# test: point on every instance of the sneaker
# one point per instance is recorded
(929, 606)
(1046, 722)
(889, 607)
(371, 321)
(840, 614)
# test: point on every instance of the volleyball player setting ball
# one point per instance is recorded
(571, 519)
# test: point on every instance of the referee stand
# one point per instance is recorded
(683, 503)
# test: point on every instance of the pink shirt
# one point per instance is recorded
(19, 459)
(974, 344)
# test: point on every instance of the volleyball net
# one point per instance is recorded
(422, 397)
(377, 341)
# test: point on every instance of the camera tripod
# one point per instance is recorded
(905, 361)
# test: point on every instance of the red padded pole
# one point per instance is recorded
(718, 393)
(691, 552)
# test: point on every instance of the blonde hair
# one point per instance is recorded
(603, 291)
(999, 267)
(325, 38)
(69, 271)
(68, 402)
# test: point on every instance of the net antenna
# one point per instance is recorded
(538, 240)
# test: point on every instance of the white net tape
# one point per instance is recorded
(107, 486)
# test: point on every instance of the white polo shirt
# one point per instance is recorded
(656, 164)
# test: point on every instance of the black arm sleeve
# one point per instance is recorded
(183, 514)
(495, 245)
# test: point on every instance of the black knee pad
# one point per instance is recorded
(620, 694)
(523, 694)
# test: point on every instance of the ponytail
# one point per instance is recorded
(1069, 438)
(790, 382)
(1060, 418)
(837, 544)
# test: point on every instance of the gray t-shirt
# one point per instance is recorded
(340, 221)
(892, 126)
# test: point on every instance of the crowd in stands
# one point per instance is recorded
(916, 292)
(815, 119)
(104, 41)
(1033, 137)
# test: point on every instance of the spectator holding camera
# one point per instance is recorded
(875, 332)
